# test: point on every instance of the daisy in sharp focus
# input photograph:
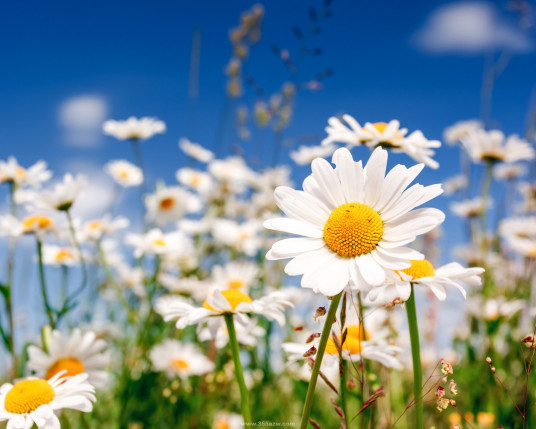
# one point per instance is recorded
(178, 359)
(134, 128)
(354, 221)
(35, 401)
(72, 355)
(124, 173)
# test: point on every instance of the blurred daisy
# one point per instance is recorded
(247, 334)
(34, 176)
(155, 242)
(171, 203)
(225, 420)
(132, 278)
(195, 151)
(509, 171)
(134, 128)
(520, 235)
(96, 229)
(194, 179)
(63, 195)
(72, 355)
(190, 285)
(178, 359)
(454, 184)
(124, 173)
(60, 256)
(304, 155)
(491, 146)
(238, 275)
(232, 172)
(460, 130)
(220, 303)
(355, 222)
(243, 237)
(35, 401)
(528, 192)
(38, 224)
(470, 208)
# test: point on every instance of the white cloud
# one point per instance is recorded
(470, 28)
(81, 118)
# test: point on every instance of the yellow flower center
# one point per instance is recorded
(532, 252)
(353, 343)
(20, 173)
(179, 364)
(233, 297)
(123, 174)
(159, 242)
(235, 284)
(420, 269)
(353, 229)
(95, 224)
(194, 182)
(221, 424)
(72, 365)
(28, 395)
(380, 126)
(167, 203)
(63, 254)
(33, 222)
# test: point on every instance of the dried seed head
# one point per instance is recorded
(493, 369)
(452, 402)
(446, 367)
(529, 342)
(444, 380)
(453, 387)
(298, 328)
(320, 311)
(488, 360)
(440, 392)
(351, 384)
(310, 352)
(312, 337)
(442, 404)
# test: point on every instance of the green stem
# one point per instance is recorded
(136, 148)
(48, 308)
(9, 294)
(342, 377)
(233, 342)
(485, 195)
(81, 255)
(416, 357)
(326, 332)
(365, 415)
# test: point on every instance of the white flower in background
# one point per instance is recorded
(491, 146)
(195, 151)
(35, 401)
(171, 203)
(395, 290)
(470, 208)
(354, 222)
(156, 242)
(219, 303)
(239, 275)
(58, 256)
(232, 172)
(243, 237)
(225, 420)
(436, 279)
(72, 355)
(345, 130)
(134, 128)
(191, 285)
(178, 359)
(95, 230)
(494, 308)
(454, 184)
(528, 192)
(38, 224)
(460, 130)
(520, 235)
(132, 278)
(64, 194)
(420, 148)
(304, 155)
(272, 178)
(34, 176)
(124, 173)
(194, 179)
(194, 226)
(509, 171)
(248, 334)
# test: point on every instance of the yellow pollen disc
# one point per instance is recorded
(380, 126)
(95, 224)
(353, 229)
(233, 297)
(20, 173)
(420, 269)
(195, 180)
(353, 343)
(159, 242)
(167, 203)
(179, 364)
(235, 284)
(532, 252)
(221, 424)
(72, 365)
(28, 395)
(36, 221)
(123, 174)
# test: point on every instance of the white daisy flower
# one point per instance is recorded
(35, 401)
(225, 420)
(38, 224)
(470, 208)
(134, 128)
(232, 172)
(171, 203)
(460, 130)
(63, 195)
(509, 171)
(494, 308)
(195, 151)
(354, 222)
(191, 285)
(72, 355)
(248, 334)
(491, 146)
(124, 173)
(33, 176)
(194, 226)
(239, 275)
(194, 179)
(132, 278)
(304, 155)
(528, 192)
(60, 256)
(346, 130)
(454, 184)
(96, 229)
(220, 303)
(243, 237)
(155, 242)
(520, 235)
(178, 359)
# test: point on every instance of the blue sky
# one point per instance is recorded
(133, 57)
